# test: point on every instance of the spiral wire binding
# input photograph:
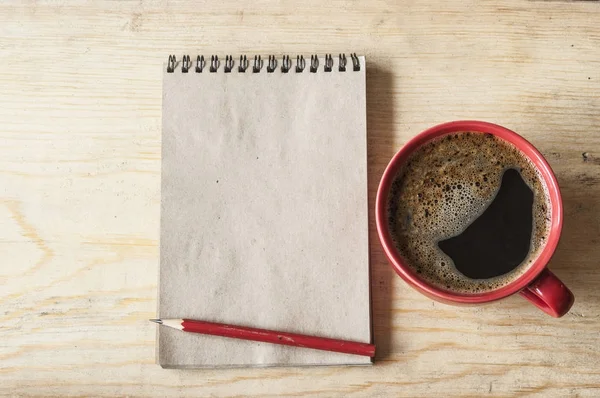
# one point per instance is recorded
(286, 63)
(243, 64)
(171, 64)
(342, 63)
(258, 64)
(355, 62)
(300, 63)
(328, 63)
(228, 63)
(272, 64)
(214, 63)
(199, 63)
(314, 63)
(185, 64)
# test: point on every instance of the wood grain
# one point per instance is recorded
(80, 116)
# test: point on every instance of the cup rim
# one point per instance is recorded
(529, 151)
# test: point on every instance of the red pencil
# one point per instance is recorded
(269, 336)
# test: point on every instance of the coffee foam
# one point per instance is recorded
(443, 187)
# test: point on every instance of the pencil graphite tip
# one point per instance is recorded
(159, 321)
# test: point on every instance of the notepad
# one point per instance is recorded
(264, 213)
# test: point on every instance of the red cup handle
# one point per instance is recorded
(549, 294)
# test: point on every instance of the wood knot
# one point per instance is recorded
(589, 157)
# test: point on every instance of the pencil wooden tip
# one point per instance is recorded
(159, 321)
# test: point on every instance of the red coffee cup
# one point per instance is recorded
(538, 285)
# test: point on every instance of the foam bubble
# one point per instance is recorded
(446, 184)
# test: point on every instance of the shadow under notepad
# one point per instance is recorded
(381, 148)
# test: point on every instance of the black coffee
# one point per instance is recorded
(468, 212)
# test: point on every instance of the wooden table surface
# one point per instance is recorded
(80, 120)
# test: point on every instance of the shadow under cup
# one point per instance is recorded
(537, 283)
